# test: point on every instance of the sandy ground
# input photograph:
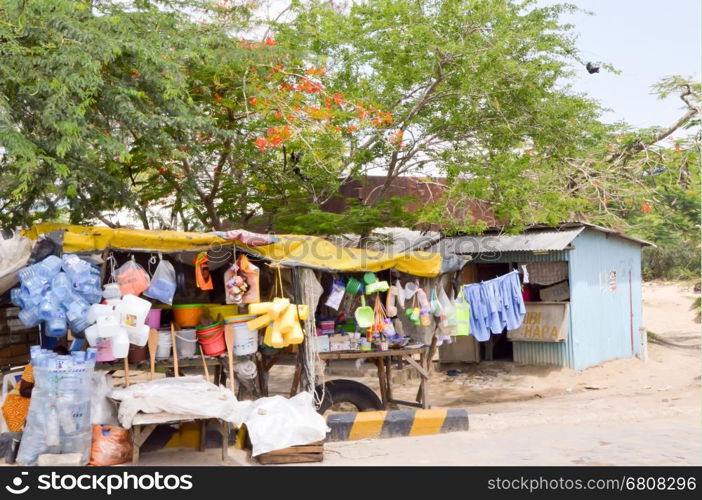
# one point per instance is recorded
(623, 412)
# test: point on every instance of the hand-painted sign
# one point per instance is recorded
(543, 322)
(613, 281)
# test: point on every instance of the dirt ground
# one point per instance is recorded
(623, 412)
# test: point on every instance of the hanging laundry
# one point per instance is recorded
(495, 304)
(477, 298)
(512, 300)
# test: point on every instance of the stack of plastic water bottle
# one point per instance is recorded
(59, 411)
(58, 291)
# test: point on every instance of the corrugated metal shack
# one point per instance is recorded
(585, 294)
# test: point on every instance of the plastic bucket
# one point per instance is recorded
(164, 346)
(187, 315)
(186, 343)
(216, 310)
(213, 345)
(137, 353)
(153, 319)
(209, 330)
(245, 341)
(104, 350)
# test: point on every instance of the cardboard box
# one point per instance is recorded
(322, 343)
(339, 342)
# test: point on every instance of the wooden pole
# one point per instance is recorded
(204, 365)
(126, 372)
(153, 345)
(229, 338)
(175, 352)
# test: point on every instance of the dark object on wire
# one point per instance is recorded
(591, 68)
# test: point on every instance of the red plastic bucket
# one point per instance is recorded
(213, 345)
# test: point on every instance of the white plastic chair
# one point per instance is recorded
(9, 380)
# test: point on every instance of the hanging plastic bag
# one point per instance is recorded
(234, 285)
(400, 294)
(422, 299)
(390, 301)
(202, 272)
(111, 446)
(250, 275)
(336, 294)
(448, 322)
(462, 315)
(434, 304)
(163, 283)
(132, 278)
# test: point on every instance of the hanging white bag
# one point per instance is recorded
(163, 283)
(448, 309)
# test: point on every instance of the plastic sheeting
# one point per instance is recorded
(277, 422)
(273, 423)
(192, 396)
(290, 250)
(14, 253)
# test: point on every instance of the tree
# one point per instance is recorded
(478, 92)
(127, 105)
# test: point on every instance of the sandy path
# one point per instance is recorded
(623, 412)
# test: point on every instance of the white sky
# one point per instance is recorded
(646, 40)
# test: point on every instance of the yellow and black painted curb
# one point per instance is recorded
(344, 427)
(395, 423)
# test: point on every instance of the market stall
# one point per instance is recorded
(231, 304)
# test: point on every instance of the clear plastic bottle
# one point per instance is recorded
(48, 268)
(61, 285)
(59, 412)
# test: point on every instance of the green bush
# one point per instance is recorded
(676, 262)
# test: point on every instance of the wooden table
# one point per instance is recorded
(145, 423)
(219, 377)
(383, 362)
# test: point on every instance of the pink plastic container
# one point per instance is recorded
(104, 350)
(153, 319)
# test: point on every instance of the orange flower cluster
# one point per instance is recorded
(320, 71)
(396, 138)
(382, 118)
(309, 86)
(274, 138)
(318, 114)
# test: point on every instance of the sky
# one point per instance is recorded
(644, 39)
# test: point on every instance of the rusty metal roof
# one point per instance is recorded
(490, 243)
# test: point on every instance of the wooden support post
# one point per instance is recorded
(224, 430)
(423, 381)
(139, 435)
(175, 351)
(432, 351)
(296, 377)
(382, 382)
(388, 376)
(203, 435)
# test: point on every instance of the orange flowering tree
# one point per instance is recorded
(159, 111)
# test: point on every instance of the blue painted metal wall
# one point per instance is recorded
(602, 319)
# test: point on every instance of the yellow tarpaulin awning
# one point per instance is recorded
(291, 250)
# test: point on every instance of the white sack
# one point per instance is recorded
(192, 396)
(14, 253)
(277, 422)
